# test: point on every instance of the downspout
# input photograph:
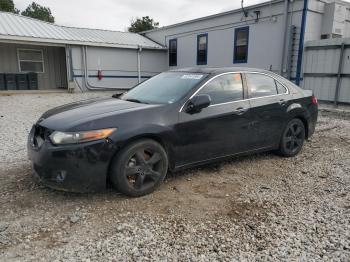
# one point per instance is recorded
(285, 37)
(139, 50)
(71, 84)
(301, 44)
(69, 63)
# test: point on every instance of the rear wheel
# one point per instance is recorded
(292, 138)
(139, 168)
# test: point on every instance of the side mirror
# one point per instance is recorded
(197, 103)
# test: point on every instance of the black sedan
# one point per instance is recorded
(174, 120)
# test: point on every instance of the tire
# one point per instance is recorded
(139, 168)
(293, 138)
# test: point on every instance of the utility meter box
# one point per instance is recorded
(333, 22)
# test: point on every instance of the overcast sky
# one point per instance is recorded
(116, 14)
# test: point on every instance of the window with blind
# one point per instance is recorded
(31, 60)
(240, 52)
(202, 49)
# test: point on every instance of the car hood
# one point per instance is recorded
(66, 116)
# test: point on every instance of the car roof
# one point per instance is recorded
(218, 70)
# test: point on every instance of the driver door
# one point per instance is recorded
(222, 129)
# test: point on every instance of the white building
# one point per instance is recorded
(271, 35)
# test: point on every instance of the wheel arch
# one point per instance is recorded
(296, 110)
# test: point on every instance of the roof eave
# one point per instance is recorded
(69, 42)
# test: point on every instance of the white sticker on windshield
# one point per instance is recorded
(196, 77)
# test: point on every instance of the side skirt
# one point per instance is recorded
(222, 158)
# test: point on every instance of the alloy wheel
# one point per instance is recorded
(144, 168)
(294, 137)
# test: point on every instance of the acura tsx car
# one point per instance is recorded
(177, 119)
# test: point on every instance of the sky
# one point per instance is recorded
(117, 14)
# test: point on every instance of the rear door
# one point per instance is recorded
(219, 130)
(269, 101)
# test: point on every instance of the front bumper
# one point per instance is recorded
(75, 168)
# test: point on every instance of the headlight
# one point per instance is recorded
(59, 138)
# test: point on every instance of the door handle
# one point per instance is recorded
(283, 102)
(240, 111)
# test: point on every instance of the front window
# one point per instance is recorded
(223, 89)
(165, 88)
(31, 60)
(202, 49)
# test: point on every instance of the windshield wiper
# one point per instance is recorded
(135, 101)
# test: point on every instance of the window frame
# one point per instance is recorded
(237, 30)
(246, 94)
(285, 88)
(170, 41)
(35, 61)
(206, 49)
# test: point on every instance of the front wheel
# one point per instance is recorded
(139, 168)
(292, 138)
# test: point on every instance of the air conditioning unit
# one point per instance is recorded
(333, 23)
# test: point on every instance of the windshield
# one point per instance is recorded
(165, 88)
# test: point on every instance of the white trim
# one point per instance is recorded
(237, 72)
(35, 61)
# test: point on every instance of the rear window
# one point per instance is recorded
(261, 85)
(280, 88)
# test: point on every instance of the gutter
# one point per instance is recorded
(301, 44)
(139, 64)
(63, 43)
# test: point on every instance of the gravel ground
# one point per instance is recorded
(261, 207)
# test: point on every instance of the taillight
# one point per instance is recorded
(314, 100)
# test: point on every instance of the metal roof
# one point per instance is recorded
(20, 28)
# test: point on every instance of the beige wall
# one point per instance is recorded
(55, 73)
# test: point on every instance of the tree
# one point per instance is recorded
(142, 24)
(37, 11)
(8, 6)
